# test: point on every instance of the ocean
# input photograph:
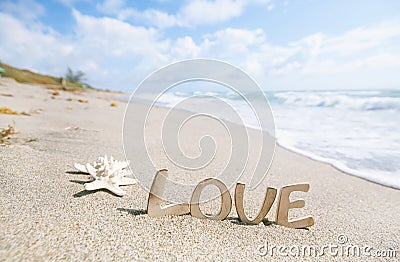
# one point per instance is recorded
(358, 131)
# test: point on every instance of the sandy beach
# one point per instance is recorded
(45, 213)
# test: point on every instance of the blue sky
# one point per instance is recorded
(309, 44)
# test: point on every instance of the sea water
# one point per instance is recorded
(356, 131)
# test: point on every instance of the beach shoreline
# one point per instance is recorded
(47, 214)
(377, 175)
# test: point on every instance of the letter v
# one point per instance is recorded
(239, 203)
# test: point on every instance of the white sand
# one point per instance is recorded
(45, 213)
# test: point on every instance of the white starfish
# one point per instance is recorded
(107, 174)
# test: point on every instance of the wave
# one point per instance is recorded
(362, 101)
(350, 100)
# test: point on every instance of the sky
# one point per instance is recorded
(283, 45)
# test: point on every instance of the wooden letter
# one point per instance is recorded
(239, 202)
(284, 205)
(226, 201)
(154, 208)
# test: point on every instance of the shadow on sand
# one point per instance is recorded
(135, 212)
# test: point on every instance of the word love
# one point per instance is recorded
(154, 208)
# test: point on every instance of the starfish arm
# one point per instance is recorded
(95, 185)
(101, 184)
(115, 189)
(80, 168)
(125, 181)
(91, 170)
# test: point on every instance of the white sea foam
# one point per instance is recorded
(356, 101)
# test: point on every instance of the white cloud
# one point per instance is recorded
(184, 48)
(350, 51)
(160, 19)
(154, 17)
(116, 54)
(235, 46)
(209, 12)
(114, 37)
(124, 51)
(194, 13)
(101, 47)
(361, 38)
(27, 10)
(360, 48)
(29, 46)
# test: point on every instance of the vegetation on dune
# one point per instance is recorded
(74, 77)
(27, 76)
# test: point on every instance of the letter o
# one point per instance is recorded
(226, 200)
